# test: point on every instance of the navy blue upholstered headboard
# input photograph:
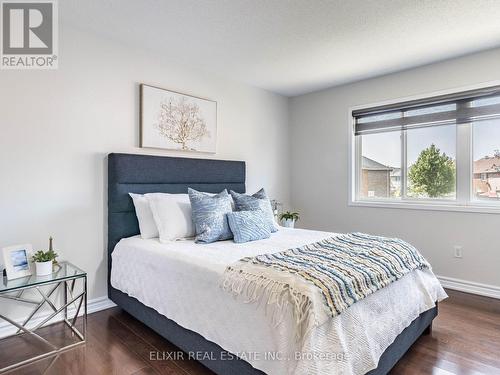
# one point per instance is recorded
(158, 174)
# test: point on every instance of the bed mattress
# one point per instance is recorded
(181, 280)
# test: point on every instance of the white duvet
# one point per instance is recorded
(181, 281)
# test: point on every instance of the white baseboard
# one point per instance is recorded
(94, 305)
(470, 287)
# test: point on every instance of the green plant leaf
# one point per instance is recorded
(433, 174)
(44, 256)
(289, 216)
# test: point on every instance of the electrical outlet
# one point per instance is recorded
(457, 251)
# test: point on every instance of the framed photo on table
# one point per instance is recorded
(16, 260)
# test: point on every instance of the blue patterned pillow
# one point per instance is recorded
(258, 201)
(209, 214)
(248, 225)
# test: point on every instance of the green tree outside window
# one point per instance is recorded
(433, 174)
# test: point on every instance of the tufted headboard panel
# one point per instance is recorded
(142, 174)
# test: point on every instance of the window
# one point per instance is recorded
(486, 160)
(423, 180)
(380, 165)
(442, 151)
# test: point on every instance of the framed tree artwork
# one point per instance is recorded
(175, 121)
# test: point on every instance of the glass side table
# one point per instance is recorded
(74, 300)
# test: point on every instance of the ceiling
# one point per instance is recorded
(293, 47)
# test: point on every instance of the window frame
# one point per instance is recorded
(465, 200)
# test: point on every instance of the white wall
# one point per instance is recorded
(58, 126)
(319, 171)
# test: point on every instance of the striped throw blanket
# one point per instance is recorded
(322, 279)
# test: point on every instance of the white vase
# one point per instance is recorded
(43, 268)
(289, 223)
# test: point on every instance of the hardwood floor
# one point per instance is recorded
(465, 340)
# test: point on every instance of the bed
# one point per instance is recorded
(224, 334)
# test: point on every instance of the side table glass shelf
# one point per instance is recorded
(64, 293)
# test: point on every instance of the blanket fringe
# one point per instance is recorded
(277, 296)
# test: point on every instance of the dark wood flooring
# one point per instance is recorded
(465, 340)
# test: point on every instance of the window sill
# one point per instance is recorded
(429, 206)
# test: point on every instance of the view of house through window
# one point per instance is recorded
(381, 165)
(409, 153)
(486, 162)
(430, 164)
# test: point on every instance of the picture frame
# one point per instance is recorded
(17, 260)
(172, 120)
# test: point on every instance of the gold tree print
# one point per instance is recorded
(181, 121)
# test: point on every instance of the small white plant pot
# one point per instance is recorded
(289, 223)
(43, 268)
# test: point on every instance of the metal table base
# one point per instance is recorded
(49, 298)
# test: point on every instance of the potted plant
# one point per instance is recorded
(288, 219)
(44, 261)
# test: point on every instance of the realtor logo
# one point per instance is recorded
(29, 34)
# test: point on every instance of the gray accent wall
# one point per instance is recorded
(319, 139)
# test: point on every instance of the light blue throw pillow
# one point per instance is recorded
(248, 225)
(257, 201)
(209, 214)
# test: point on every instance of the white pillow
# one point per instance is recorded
(172, 214)
(147, 224)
